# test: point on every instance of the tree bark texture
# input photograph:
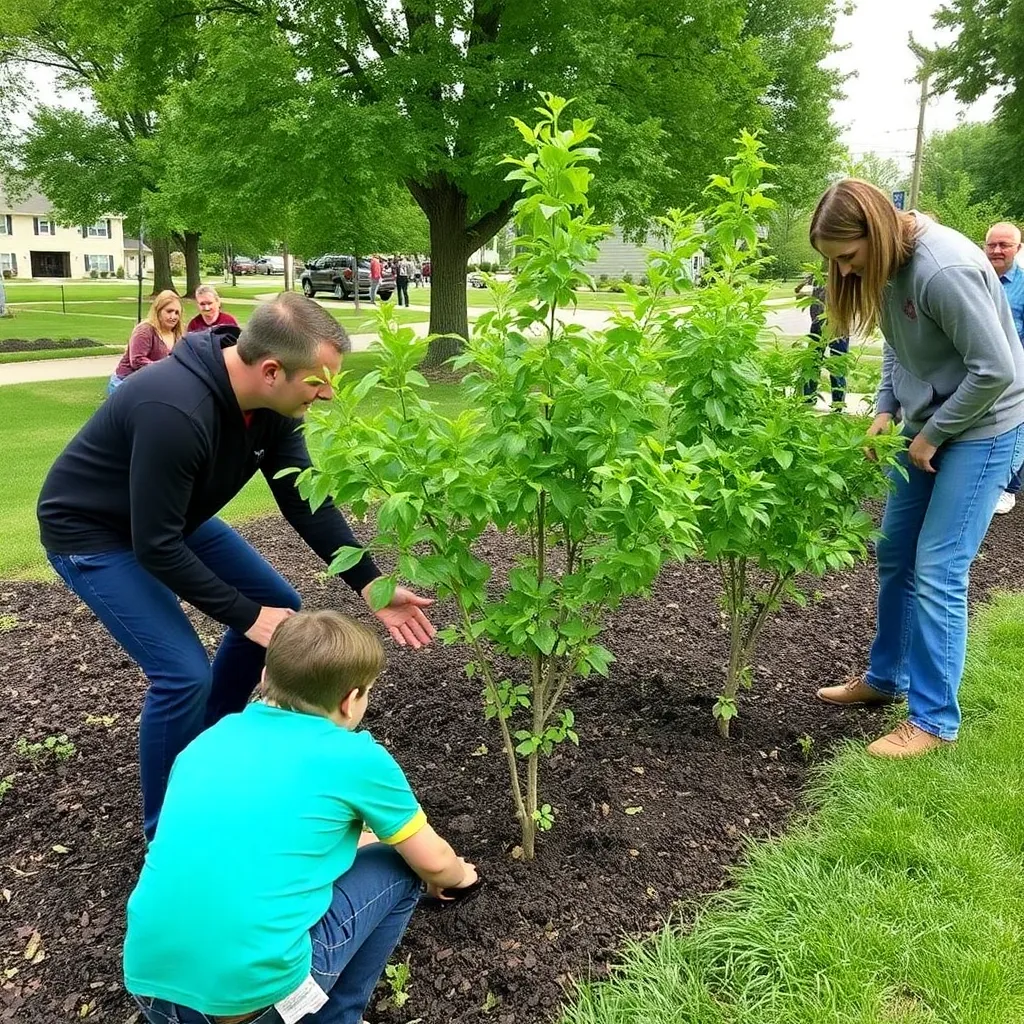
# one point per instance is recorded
(161, 246)
(193, 275)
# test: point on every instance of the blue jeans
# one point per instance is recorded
(373, 902)
(186, 693)
(1015, 482)
(933, 526)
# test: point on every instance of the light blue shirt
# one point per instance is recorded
(1013, 285)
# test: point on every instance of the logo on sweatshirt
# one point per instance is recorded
(910, 310)
(258, 453)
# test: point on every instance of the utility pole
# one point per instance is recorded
(924, 73)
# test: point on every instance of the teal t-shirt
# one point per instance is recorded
(263, 813)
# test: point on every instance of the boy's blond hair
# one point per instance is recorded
(316, 659)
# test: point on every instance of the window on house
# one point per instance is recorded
(99, 263)
(99, 230)
(47, 227)
(8, 261)
(5, 224)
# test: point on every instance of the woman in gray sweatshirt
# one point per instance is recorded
(953, 373)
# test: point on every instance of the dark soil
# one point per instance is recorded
(70, 840)
(46, 344)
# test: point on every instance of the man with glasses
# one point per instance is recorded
(1002, 243)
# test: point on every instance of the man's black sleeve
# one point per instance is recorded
(324, 530)
(167, 454)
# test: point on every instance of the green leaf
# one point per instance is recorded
(783, 457)
(545, 638)
(381, 591)
(344, 559)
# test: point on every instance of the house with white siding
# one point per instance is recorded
(34, 244)
(617, 257)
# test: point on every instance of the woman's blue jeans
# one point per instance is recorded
(933, 526)
(373, 902)
(186, 693)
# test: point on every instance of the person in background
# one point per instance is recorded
(402, 274)
(417, 272)
(375, 276)
(210, 314)
(263, 887)
(953, 370)
(1002, 244)
(151, 340)
(837, 346)
(426, 271)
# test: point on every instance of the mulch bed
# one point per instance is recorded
(70, 839)
(46, 344)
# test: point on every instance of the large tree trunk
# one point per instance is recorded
(161, 246)
(449, 321)
(192, 271)
(452, 240)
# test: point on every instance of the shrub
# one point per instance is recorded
(781, 487)
(8, 274)
(472, 268)
(119, 272)
(177, 260)
(559, 446)
(104, 273)
(94, 274)
(627, 278)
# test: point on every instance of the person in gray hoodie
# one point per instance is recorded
(953, 373)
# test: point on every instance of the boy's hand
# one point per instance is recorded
(404, 618)
(469, 877)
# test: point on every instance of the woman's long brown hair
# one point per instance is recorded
(852, 209)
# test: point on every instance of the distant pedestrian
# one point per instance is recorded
(375, 276)
(426, 271)
(837, 346)
(152, 340)
(210, 314)
(417, 272)
(953, 371)
(402, 275)
(1002, 244)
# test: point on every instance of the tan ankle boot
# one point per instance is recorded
(906, 740)
(853, 692)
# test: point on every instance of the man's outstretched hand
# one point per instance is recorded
(404, 617)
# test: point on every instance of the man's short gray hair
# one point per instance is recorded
(290, 329)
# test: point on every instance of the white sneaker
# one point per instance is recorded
(1007, 501)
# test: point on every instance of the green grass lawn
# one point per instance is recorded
(901, 901)
(37, 420)
(31, 325)
(480, 298)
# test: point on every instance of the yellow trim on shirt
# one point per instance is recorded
(407, 831)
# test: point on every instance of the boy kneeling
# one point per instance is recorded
(253, 903)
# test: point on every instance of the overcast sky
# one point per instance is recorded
(880, 111)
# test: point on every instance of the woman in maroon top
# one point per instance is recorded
(210, 314)
(152, 340)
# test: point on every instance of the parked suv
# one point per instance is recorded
(334, 273)
(270, 265)
(243, 265)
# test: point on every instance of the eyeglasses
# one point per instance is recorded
(993, 246)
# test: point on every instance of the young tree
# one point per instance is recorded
(561, 446)
(781, 486)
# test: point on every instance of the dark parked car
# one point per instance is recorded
(243, 265)
(334, 273)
